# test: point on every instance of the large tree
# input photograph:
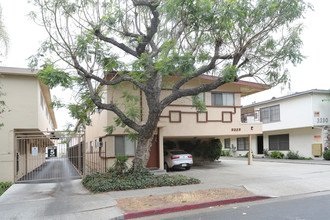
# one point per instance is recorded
(145, 41)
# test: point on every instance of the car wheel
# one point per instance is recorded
(166, 167)
(187, 168)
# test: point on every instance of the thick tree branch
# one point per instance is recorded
(121, 46)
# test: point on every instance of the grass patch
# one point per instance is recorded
(4, 186)
(114, 181)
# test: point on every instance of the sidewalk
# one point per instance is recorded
(61, 200)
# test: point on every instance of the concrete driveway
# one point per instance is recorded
(261, 178)
(265, 178)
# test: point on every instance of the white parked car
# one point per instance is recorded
(177, 159)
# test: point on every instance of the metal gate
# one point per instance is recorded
(48, 156)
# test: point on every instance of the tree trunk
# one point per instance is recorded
(142, 152)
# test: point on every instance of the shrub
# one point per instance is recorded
(225, 153)
(4, 186)
(120, 164)
(207, 150)
(265, 152)
(293, 155)
(326, 155)
(276, 155)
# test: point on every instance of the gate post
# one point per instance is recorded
(84, 154)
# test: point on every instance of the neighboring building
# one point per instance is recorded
(179, 121)
(29, 113)
(297, 122)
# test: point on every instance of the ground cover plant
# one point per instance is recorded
(119, 177)
(4, 186)
(114, 181)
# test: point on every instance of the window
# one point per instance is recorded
(227, 143)
(91, 146)
(243, 143)
(222, 99)
(199, 98)
(279, 142)
(42, 103)
(124, 146)
(270, 114)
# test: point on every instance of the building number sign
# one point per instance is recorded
(322, 120)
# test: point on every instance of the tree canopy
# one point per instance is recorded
(143, 41)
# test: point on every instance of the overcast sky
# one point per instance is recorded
(25, 38)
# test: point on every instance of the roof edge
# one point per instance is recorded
(320, 91)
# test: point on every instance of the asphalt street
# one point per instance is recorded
(306, 207)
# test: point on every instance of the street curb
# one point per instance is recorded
(192, 206)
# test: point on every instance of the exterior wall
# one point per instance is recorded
(44, 117)
(294, 113)
(97, 129)
(300, 139)
(22, 115)
(22, 98)
(320, 110)
(233, 145)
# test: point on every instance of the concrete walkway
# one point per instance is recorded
(69, 200)
(61, 200)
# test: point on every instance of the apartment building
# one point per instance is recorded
(297, 122)
(179, 121)
(29, 113)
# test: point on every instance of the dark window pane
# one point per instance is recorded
(243, 143)
(227, 143)
(279, 142)
(120, 145)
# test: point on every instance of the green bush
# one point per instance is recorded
(207, 150)
(326, 155)
(293, 155)
(225, 153)
(276, 155)
(4, 186)
(265, 152)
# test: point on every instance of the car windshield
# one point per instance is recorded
(178, 152)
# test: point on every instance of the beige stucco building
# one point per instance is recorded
(179, 121)
(28, 102)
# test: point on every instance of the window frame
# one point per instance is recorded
(267, 111)
(245, 143)
(125, 140)
(275, 143)
(225, 142)
(91, 146)
(213, 99)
